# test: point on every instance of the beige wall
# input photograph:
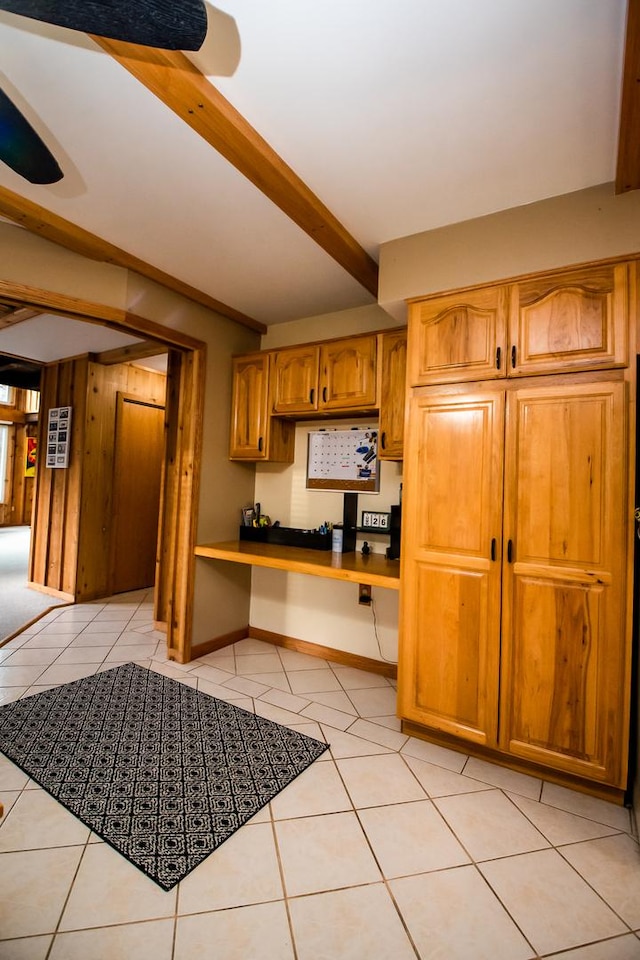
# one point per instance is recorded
(328, 325)
(32, 261)
(312, 608)
(578, 227)
(221, 601)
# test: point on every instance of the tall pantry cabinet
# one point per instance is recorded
(518, 523)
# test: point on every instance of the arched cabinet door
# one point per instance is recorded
(575, 320)
(348, 374)
(393, 362)
(255, 435)
(458, 337)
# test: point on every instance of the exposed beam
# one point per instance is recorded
(17, 315)
(49, 225)
(628, 168)
(98, 313)
(135, 351)
(172, 77)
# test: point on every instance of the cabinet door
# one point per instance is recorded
(249, 407)
(392, 395)
(348, 374)
(294, 376)
(451, 560)
(564, 700)
(569, 321)
(458, 337)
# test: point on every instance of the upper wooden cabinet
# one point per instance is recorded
(345, 377)
(393, 364)
(255, 435)
(336, 375)
(570, 321)
(560, 322)
(348, 374)
(294, 378)
(458, 337)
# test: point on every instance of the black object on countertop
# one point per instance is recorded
(287, 537)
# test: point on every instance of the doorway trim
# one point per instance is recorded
(175, 566)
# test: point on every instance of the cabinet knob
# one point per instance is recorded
(498, 357)
(493, 548)
(509, 551)
(324, 394)
(513, 356)
(260, 444)
(311, 395)
(383, 439)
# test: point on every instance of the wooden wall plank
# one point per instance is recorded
(181, 507)
(96, 501)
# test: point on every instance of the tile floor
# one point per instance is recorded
(387, 848)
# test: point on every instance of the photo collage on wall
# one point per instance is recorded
(58, 436)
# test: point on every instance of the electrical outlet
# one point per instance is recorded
(364, 595)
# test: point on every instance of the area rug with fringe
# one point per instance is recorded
(161, 772)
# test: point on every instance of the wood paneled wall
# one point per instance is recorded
(71, 532)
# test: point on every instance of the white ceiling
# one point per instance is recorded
(400, 115)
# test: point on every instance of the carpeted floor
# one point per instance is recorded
(19, 604)
(163, 773)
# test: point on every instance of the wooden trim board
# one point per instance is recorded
(604, 792)
(340, 657)
(43, 223)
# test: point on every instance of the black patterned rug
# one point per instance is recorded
(161, 772)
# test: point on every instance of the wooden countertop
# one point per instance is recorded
(373, 569)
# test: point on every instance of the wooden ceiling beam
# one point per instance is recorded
(172, 77)
(628, 167)
(135, 351)
(16, 315)
(38, 220)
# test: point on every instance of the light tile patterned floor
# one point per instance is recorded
(387, 848)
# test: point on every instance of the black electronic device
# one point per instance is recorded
(349, 522)
(393, 550)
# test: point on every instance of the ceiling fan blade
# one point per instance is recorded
(168, 24)
(22, 149)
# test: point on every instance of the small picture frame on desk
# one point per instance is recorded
(375, 521)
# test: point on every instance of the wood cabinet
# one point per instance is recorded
(350, 376)
(294, 378)
(564, 681)
(334, 376)
(450, 569)
(393, 367)
(517, 537)
(513, 590)
(559, 322)
(255, 434)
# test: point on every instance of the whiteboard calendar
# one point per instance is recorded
(343, 460)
